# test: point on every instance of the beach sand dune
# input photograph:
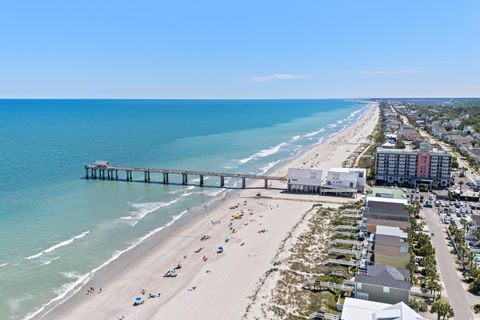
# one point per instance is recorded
(218, 288)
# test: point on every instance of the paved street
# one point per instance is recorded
(456, 293)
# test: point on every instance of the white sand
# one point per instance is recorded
(223, 291)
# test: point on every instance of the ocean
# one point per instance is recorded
(57, 228)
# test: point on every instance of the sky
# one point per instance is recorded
(239, 49)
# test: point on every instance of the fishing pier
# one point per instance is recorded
(105, 171)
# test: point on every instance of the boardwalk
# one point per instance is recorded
(104, 170)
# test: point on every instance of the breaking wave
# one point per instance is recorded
(264, 153)
(143, 209)
(58, 245)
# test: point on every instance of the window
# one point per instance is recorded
(386, 290)
(359, 286)
(362, 295)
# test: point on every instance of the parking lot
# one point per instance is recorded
(448, 210)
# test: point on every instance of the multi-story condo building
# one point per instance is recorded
(405, 167)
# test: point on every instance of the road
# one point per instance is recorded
(455, 291)
(470, 173)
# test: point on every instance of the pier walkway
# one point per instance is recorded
(105, 171)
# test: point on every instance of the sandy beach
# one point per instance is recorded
(212, 285)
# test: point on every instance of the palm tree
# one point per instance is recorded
(442, 309)
(435, 288)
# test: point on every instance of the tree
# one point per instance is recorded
(476, 308)
(442, 309)
(474, 286)
(434, 287)
(400, 144)
(454, 162)
(418, 305)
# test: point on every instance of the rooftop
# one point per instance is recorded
(374, 198)
(391, 241)
(413, 152)
(386, 276)
(357, 309)
(361, 309)
(389, 193)
(388, 222)
(391, 231)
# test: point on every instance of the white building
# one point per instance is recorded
(347, 178)
(357, 309)
(339, 181)
(305, 180)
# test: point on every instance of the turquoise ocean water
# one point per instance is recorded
(56, 227)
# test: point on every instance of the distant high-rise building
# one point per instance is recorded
(410, 167)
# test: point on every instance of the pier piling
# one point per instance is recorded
(184, 178)
(98, 169)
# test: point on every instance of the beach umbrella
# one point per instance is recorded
(138, 299)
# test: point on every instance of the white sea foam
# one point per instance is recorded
(4, 264)
(186, 194)
(47, 262)
(14, 303)
(71, 275)
(268, 152)
(263, 153)
(215, 193)
(58, 245)
(143, 209)
(355, 112)
(74, 287)
(246, 159)
(314, 133)
(269, 166)
(295, 138)
(190, 187)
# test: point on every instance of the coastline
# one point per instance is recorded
(136, 268)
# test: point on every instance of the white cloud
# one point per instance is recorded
(278, 77)
(388, 71)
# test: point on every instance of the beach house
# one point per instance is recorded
(391, 247)
(357, 309)
(383, 283)
(390, 212)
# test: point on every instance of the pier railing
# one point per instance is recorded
(103, 170)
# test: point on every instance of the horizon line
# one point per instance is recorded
(305, 98)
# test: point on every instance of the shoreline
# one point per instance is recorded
(107, 274)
